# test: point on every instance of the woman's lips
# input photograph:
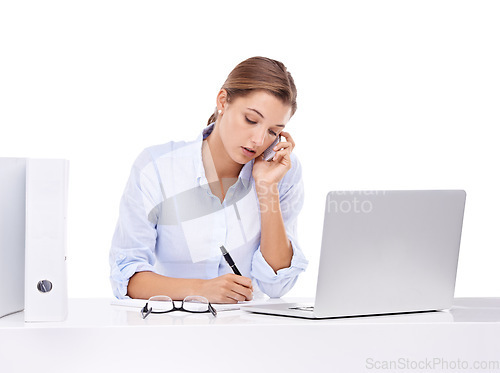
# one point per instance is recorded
(248, 152)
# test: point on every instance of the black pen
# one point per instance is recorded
(229, 260)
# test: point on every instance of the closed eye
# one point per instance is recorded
(273, 133)
(250, 121)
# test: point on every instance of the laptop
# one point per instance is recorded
(384, 252)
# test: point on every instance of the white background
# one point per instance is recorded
(392, 95)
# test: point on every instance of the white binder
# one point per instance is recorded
(46, 296)
(12, 212)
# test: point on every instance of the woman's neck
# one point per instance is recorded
(215, 155)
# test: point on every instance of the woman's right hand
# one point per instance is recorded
(228, 288)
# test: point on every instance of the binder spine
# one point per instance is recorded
(46, 296)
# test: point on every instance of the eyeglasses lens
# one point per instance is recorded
(195, 304)
(161, 304)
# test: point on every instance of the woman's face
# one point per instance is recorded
(250, 124)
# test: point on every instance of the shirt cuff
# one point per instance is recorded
(276, 284)
(120, 276)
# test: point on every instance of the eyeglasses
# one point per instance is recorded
(165, 304)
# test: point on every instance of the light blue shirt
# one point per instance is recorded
(170, 223)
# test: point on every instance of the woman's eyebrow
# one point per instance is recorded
(255, 111)
(276, 125)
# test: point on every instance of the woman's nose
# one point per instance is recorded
(258, 136)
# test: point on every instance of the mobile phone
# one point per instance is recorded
(269, 152)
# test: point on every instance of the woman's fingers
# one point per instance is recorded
(288, 138)
(283, 152)
(283, 145)
(241, 288)
(229, 288)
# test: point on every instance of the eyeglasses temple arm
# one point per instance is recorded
(212, 309)
(146, 311)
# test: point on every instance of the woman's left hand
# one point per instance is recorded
(272, 172)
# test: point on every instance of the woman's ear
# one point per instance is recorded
(222, 99)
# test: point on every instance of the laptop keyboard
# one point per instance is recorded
(303, 308)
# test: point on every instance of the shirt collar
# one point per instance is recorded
(245, 173)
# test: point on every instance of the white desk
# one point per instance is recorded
(101, 337)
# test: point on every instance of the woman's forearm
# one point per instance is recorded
(228, 288)
(274, 243)
(144, 285)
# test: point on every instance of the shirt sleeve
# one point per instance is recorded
(134, 240)
(276, 284)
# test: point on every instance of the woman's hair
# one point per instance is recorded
(260, 73)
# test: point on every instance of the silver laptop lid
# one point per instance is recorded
(389, 251)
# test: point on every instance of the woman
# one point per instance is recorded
(184, 200)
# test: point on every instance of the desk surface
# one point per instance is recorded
(100, 337)
(99, 312)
